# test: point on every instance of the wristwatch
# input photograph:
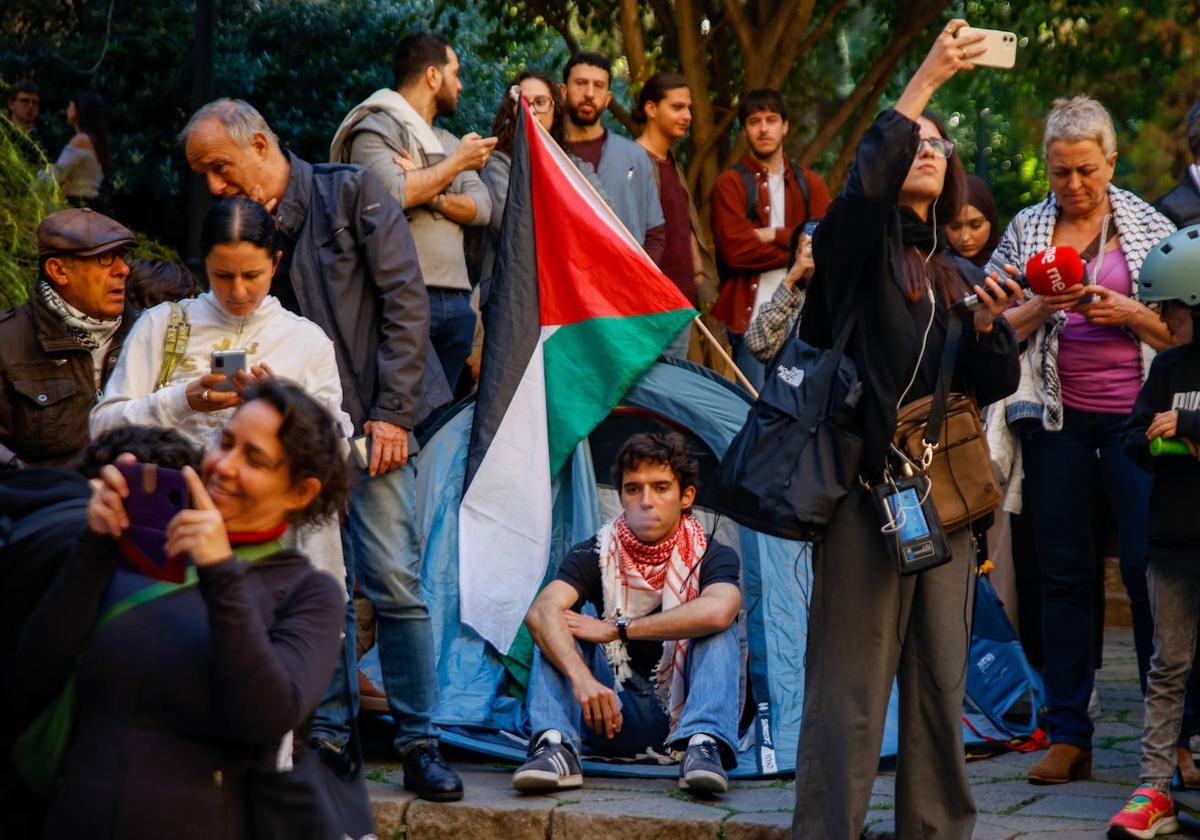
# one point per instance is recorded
(623, 629)
(437, 201)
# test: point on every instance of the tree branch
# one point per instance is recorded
(665, 19)
(818, 32)
(862, 122)
(560, 25)
(744, 31)
(794, 16)
(882, 68)
(634, 41)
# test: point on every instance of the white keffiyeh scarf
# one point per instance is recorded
(1140, 226)
(638, 579)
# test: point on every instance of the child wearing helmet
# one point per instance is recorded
(1162, 436)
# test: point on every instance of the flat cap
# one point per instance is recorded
(82, 233)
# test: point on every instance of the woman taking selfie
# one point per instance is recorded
(181, 691)
(879, 256)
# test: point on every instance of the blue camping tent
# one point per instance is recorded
(480, 707)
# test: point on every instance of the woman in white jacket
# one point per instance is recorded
(163, 376)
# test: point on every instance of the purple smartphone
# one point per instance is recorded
(156, 494)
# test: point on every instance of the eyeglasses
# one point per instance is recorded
(540, 104)
(940, 146)
(109, 258)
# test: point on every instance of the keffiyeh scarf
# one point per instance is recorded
(636, 580)
(89, 332)
(1140, 226)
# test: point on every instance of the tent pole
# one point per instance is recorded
(708, 336)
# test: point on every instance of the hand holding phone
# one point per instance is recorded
(228, 362)
(154, 495)
(999, 47)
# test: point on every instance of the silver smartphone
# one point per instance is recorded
(228, 362)
(1000, 47)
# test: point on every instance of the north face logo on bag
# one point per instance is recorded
(792, 376)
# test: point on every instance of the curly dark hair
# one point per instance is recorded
(311, 440)
(667, 448)
(150, 444)
(504, 126)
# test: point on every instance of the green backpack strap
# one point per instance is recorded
(38, 752)
(175, 343)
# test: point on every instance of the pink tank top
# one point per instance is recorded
(1101, 366)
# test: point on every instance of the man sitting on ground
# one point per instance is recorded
(662, 666)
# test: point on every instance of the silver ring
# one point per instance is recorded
(204, 396)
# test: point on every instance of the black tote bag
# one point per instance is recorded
(794, 458)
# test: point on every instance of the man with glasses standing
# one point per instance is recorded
(58, 348)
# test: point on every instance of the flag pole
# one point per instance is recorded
(711, 339)
(704, 331)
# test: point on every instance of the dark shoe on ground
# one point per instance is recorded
(1147, 814)
(370, 696)
(701, 770)
(428, 776)
(551, 766)
(1062, 763)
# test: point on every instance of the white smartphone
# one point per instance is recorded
(1000, 47)
(227, 362)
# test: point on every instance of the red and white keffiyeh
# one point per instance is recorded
(636, 580)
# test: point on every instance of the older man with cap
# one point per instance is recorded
(349, 265)
(57, 348)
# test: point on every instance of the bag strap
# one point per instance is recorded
(247, 553)
(937, 411)
(751, 185)
(175, 343)
(798, 171)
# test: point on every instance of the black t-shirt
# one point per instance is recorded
(581, 569)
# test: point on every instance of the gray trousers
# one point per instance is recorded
(1175, 603)
(867, 625)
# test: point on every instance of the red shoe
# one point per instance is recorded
(1147, 814)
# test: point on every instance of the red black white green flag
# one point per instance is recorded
(577, 311)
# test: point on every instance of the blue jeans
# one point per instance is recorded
(755, 370)
(1060, 518)
(383, 551)
(451, 329)
(711, 707)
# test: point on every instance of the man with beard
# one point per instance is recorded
(624, 170)
(433, 175)
(756, 206)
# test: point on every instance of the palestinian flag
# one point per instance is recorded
(577, 312)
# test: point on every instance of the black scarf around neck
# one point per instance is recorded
(917, 232)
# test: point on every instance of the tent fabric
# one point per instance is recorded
(479, 706)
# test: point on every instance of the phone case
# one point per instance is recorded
(1001, 48)
(156, 494)
(228, 362)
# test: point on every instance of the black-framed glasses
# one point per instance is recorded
(940, 146)
(108, 258)
(540, 104)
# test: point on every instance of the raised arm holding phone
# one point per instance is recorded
(880, 258)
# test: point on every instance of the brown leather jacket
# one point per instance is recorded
(47, 385)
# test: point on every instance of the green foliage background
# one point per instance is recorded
(304, 63)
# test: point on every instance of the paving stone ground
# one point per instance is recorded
(1009, 807)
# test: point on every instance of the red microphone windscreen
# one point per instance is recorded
(1053, 271)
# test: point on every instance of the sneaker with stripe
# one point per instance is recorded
(550, 766)
(1147, 814)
